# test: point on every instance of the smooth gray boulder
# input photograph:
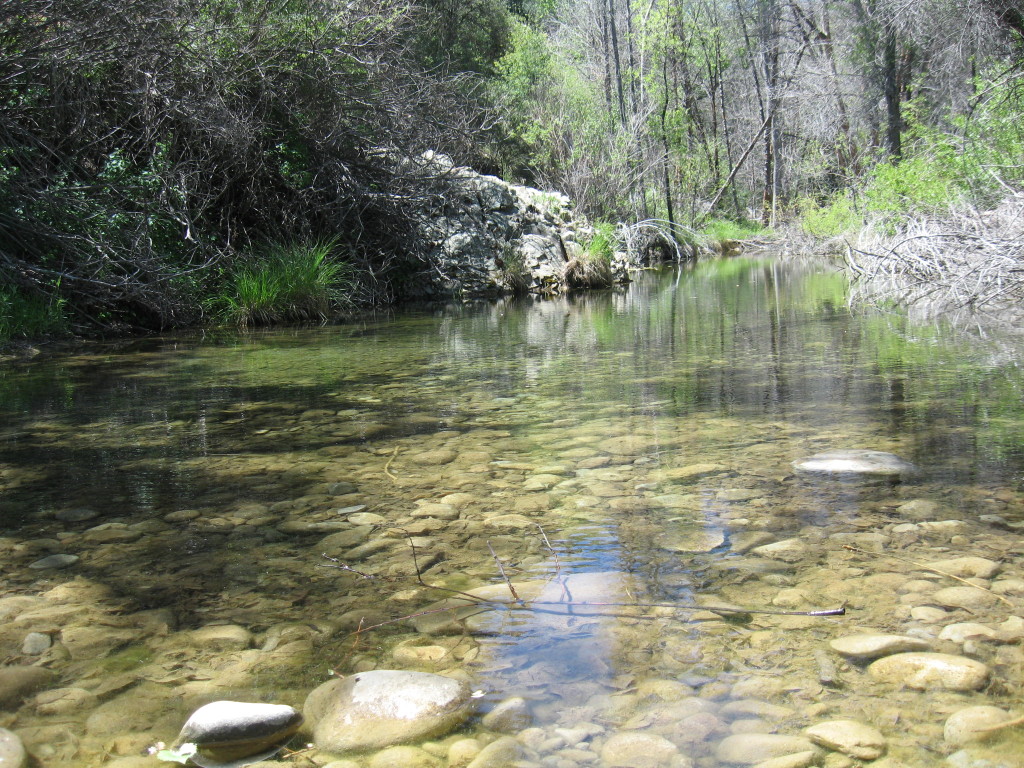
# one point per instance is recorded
(931, 670)
(855, 462)
(230, 730)
(382, 708)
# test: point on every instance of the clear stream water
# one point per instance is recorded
(648, 433)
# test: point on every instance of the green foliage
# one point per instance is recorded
(834, 218)
(290, 283)
(600, 246)
(730, 229)
(28, 316)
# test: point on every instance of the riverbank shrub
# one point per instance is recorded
(593, 268)
(289, 283)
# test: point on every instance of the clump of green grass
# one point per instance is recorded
(594, 268)
(28, 316)
(295, 282)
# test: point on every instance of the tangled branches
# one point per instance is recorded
(969, 262)
(147, 145)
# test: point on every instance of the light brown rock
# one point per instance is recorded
(850, 737)
(931, 670)
(634, 749)
(866, 647)
(753, 748)
(969, 725)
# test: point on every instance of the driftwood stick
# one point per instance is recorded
(503, 574)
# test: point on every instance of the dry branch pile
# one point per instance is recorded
(967, 263)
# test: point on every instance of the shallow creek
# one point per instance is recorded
(243, 516)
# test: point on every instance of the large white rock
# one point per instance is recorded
(377, 709)
(855, 462)
(753, 748)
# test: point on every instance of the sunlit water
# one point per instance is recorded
(634, 445)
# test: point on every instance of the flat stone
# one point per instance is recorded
(373, 710)
(634, 749)
(963, 597)
(850, 737)
(366, 518)
(697, 540)
(969, 725)
(687, 474)
(928, 614)
(434, 458)
(787, 550)
(12, 751)
(753, 748)
(741, 543)
(966, 630)
(95, 641)
(931, 670)
(920, 509)
(62, 701)
(867, 647)
(51, 562)
(76, 515)
(435, 509)
(855, 462)
(221, 637)
(968, 567)
(510, 521)
(338, 542)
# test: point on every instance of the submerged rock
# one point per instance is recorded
(382, 708)
(866, 647)
(971, 724)
(849, 737)
(931, 670)
(855, 462)
(19, 682)
(230, 730)
(12, 751)
(753, 748)
(51, 562)
(633, 749)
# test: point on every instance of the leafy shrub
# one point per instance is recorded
(837, 217)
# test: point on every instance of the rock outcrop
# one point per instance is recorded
(490, 237)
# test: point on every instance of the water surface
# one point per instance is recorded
(636, 444)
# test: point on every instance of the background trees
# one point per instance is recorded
(760, 109)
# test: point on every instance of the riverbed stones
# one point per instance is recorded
(500, 753)
(855, 462)
(967, 630)
(696, 540)
(850, 737)
(753, 748)
(931, 670)
(867, 647)
(381, 708)
(972, 724)
(12, 751)
(231, 730)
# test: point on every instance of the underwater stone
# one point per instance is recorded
(931, 670)
(381, 708)
(855, 462)
(969, 725)
(849, 737)
(638, 750)
(12, 751)
(753, 748)
(865, 647)
(19, 682)
(54, 561)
